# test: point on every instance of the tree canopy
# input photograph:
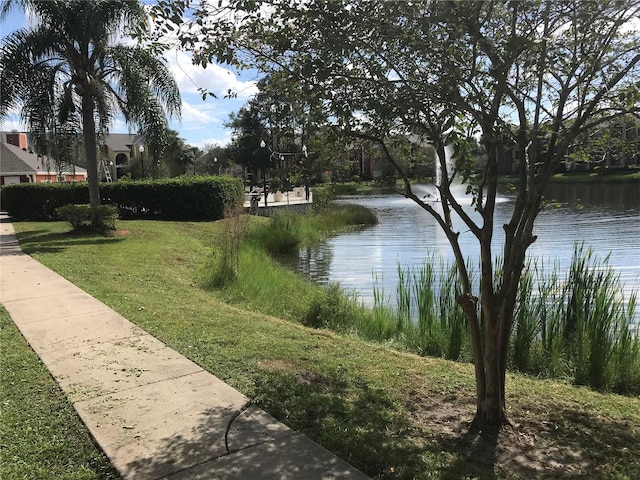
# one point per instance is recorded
(67, 70)
(536, 74)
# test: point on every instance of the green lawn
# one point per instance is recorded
(42, 437)
(391, 414)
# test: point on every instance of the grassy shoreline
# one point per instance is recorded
(369, 187)
(389, 413)
(585, 178)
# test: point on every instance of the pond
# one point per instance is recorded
(605, 217)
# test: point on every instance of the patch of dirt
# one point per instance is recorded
(524, 449)
(276, 365)
(118, 233)
(301, 376)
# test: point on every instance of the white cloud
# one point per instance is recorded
(221, 141)
(118, 125)
(12, 122)
(203, 121)
(214, 78)
(197, 113)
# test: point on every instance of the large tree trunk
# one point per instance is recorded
(489, 354)
(489, 367)
(91, 149)
(498, 314)
(492, 408)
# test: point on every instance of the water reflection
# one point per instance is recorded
(604, 217)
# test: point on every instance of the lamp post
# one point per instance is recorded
(215, 163)
(264, 175)
(141, 150)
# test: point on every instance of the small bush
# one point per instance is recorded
(84, 217)
(333, 308)
(322, 197)
(104, 218)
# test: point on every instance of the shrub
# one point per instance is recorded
(83, 217)
(322, 197)
(183, 198)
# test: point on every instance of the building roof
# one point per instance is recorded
(18, 161)
(15, 161)
(121, 142)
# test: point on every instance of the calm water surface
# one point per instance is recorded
(606, 218)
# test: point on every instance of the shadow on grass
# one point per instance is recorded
(361, 424)
(478, 448)
(42, 241)
(602, 441)
(566, 443)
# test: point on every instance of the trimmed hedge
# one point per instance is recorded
(184, 198)
(39, 201)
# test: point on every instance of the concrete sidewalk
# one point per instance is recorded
(153, 412)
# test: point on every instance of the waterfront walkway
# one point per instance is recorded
(294, 200)
(155, 413)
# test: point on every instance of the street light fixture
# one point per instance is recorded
(141, 150)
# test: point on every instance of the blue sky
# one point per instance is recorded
(202, 121)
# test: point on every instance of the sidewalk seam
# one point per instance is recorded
(231, 421)
(128, 389)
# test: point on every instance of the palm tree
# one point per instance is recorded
(67, 65)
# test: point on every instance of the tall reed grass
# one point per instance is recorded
(244, 268)
(426, 316)
(224, 263)
(578, 325)
(281, 235)
(575, 325)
